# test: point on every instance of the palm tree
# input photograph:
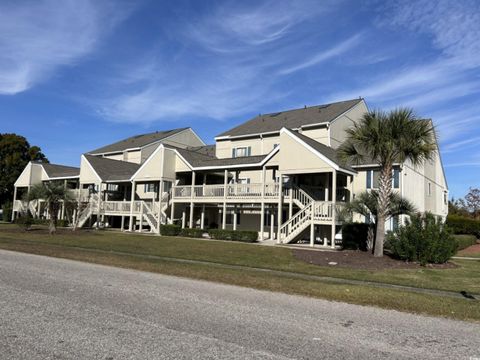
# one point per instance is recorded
(366, 204)
(385, 139)
(53, 193)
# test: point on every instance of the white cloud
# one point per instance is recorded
(36, 38)
(324, 55)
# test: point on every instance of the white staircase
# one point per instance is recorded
(296, 224)
(88, 211)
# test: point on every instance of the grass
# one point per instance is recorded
(84, 247)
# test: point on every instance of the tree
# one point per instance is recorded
(472, 200)
(385, 139)
(53, 193)
(366, 204)
(15, 153)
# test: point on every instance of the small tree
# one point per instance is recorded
(385, 139)
(472, 200)
(366, 204)
(53, 194)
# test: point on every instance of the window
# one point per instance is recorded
(112, 187)
(395, 222)
(150, 187)
(241, 151)
(445, 198)
(429, 189)
(373, 179)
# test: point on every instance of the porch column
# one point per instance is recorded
(124, 200)
(235, 219)
(272, 223)
(327, 186)
(280, 205)
(262, 208)
(334, 206)
(132, 199)
(183, 219)
(192, 193)
(99, 204)
(224, 212)
(160, 205)
(172, 212)
(141, 218)
(14, 199)
(62, 214)
(202, 218)
(312, 231)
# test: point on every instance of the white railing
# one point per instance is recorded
(231, 191)
(296, 224)
(300, 196)
(19, 205)
(83, 195)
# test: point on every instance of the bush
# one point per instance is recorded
(193, 233)
(170, 230)
(424, 239)
(233, 235)
(24, 221)
(463, 225)
(62, 223)
(7, 208)
(465, 241)
(355, 236)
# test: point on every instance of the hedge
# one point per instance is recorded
(233, 235)
(354, 236)
(465, 241)
(193, 233)
(170, 230)
(463, 225)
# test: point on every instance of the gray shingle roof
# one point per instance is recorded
(325, 150)
(292, 119)
(136, 141)
(112, 170)
(197, 157)
(55, 170)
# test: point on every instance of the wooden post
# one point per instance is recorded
(312, 229)
(234, 219)
(190, 223)
(272, 223)
(160, 205)
(14, 200)
(124, 200)
(141, 217)
(172, 212)
(99, 203)
(224, 212)
(334, 206)
(202, 218)
(132, 200)
(280, 205)
(262, 207)
(183, 219)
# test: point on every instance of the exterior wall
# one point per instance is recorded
(87, 175)
(259, 145)
(184, 139)
(295, 158)
(147, 151)
(319, 134)
(116, 156)
(152, 168)
(134, 156)
(338, 127)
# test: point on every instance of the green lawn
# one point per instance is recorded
(82, 246)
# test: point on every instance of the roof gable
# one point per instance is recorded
(112, 170)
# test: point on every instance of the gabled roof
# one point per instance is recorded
(58, 171)
(137, 141)
(292, 119)
(112, 170)
(327, 151)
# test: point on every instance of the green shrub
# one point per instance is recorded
(463, 225)
(193, 233)
(25, 221)
(424, 239)
(354, 236)
(170, 230)
(465, 241)
(62, 223)
(7, 208)
(233, 235)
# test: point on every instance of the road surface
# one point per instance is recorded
(61, 309)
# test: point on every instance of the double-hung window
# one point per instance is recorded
(241, 151)
(373, 179)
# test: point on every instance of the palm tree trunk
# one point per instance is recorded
(384, 194)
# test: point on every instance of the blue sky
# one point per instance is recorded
(75, 75)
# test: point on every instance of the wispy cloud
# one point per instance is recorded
(36, 38)
(238, 52)
(324, 55)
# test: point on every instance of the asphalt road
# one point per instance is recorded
(60, 309)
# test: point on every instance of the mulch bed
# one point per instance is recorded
(360, 260)
(471, 250)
